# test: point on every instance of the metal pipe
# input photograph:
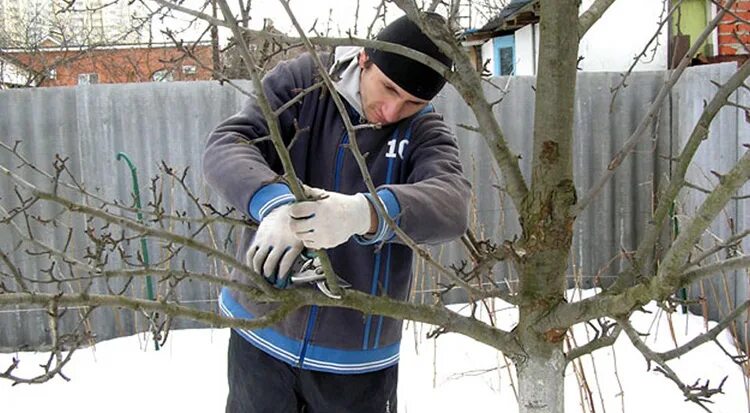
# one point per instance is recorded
(139, 215)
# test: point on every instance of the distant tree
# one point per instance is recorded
(265, 50)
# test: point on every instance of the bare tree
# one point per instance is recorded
(547, 205)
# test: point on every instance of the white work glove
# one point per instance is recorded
(275, 247)
(330, 219)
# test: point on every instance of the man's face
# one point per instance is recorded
(383, 101)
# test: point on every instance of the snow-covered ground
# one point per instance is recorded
(450, 374)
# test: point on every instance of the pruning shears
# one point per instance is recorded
(308, 270)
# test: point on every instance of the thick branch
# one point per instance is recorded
(274, 129)
(708, 335)
(262, 101)
(436, 315)
(594, 345)
(708, 191)
(17, 275)
(592, 15)
(729, 184)
(140, 305)
(694, 393)
(331, 279)
(464, 78)
(608, 304)
(697, 137)
(546, 220)
(468, 83)
(362, 163)
(698, 273)
(651, 115)
(728, 243)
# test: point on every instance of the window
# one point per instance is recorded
(189, 69)
(506, 61)
(163, 75)
(504, 55)
(52, 74)
(88, 78)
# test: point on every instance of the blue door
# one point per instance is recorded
(504, 55)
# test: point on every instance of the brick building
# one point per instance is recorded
(52, 65)
(734, 30)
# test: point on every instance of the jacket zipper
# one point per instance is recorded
(308, 332)
(339, 161)
(314, 309)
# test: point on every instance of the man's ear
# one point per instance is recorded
(362, 58)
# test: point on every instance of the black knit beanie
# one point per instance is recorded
(412, 76)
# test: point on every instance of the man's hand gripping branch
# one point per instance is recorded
(326, 221)
(331, 218)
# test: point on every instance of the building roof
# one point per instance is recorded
(515, 15)
(49, 45)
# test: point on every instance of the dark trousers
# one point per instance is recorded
(259, 383)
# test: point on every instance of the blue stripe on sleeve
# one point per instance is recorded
(392, 207)
(267, 198)
(383, 232)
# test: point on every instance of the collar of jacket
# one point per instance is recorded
(346, 71)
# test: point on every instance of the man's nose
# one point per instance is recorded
(392, 111)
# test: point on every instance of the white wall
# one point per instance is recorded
(11, 74)
(527, 47)
(621, 34)
(610, 45)
(488, 54)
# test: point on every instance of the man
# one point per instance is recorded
(325, 359)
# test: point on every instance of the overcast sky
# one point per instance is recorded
(335, 15)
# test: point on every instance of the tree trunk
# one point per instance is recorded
(215, 52)
(541, 383)
(545, 216)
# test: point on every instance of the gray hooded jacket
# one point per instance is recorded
(416, 168)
